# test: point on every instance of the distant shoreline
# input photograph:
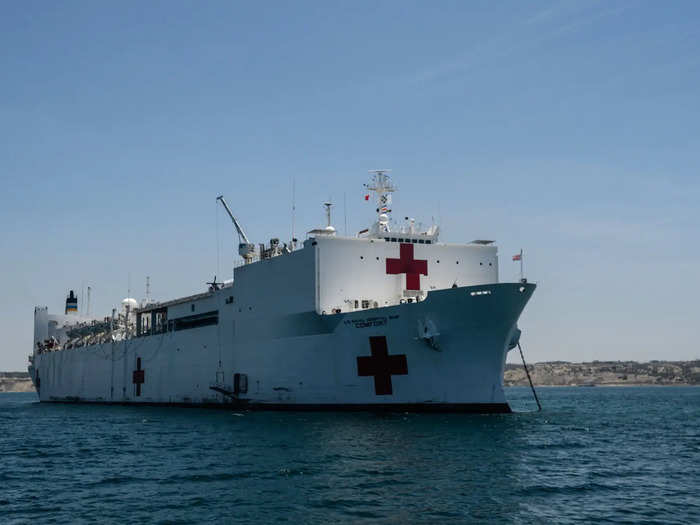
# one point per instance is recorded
(610, 385)
(605, 373)
(16, 382)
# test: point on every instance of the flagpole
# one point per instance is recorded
(521, 264)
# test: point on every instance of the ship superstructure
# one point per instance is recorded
(390, 318)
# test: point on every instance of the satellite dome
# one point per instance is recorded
(130, 302)
(383, 218)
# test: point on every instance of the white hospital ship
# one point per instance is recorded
(391, 319)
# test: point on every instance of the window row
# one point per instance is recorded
(414, 241)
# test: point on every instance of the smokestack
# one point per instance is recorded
(71, 303)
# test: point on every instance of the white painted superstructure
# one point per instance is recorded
(391, 319)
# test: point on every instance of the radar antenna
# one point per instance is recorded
(213, 285)
(246, 249)
(328, 213)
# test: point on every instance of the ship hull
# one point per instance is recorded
(443, 354)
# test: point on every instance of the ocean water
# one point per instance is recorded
(593, 455)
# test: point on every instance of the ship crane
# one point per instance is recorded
(246, 249)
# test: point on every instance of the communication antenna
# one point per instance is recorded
(294, 210)
(148, 288)
(218, 243)
(88, 301)
(345, 213)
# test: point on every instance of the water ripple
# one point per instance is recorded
(594, 455)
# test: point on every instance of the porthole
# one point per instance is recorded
(481, 264)
(362, 256)
(438, 261)
(377, 258)
(457, 262)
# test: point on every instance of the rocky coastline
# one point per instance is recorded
(15, 382)
(605, 373)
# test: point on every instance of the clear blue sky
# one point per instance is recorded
(570, 129)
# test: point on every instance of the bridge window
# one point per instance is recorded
(196, 321)
(153, 322)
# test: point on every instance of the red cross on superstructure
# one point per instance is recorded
(381, 365)
(407, 264)
(139, 376)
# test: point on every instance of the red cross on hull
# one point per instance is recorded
(139, 376)
(407, 264)
(381, 365)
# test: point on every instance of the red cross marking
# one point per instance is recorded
(407, 264)
(139, 376)
(381, 365)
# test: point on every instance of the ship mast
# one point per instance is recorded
(382, 186)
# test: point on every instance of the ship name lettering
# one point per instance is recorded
(367, 323)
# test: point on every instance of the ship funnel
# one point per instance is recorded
(71, 303)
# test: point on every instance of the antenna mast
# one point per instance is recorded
(294, 210)
(328, 214)
(382, 186)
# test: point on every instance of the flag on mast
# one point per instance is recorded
(519, 257)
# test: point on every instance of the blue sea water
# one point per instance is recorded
(593, 455)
